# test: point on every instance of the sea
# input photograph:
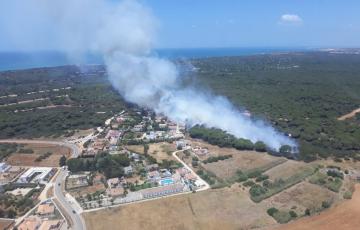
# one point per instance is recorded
(26, 60)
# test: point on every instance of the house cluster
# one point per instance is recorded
(200, 151)
(37, 175)
(44, 217)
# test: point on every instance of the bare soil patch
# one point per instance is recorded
(228, 208)
(349, 115)
(28, 159)
(344, 216)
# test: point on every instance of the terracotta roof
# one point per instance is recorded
(45, 209)
(51, 225)
(30, 223)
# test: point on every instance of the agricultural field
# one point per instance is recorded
(227, 208)
(300, 197)
(288, 169)
(344, 216)
(44, 155)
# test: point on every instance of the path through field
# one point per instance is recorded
(349, 115)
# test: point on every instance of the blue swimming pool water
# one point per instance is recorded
(166, 181)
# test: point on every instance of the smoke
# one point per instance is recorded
(124, 33)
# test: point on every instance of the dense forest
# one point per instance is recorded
(299, 93)
(55, 101)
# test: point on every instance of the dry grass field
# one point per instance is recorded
(227, 208)
(344, 216)
(160, 151)
(244, 161)
(28, 159)
(288, 169)
(300, 197)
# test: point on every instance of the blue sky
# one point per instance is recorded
(243, 23)
(195, 23)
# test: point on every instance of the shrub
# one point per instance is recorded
(272, 211)
(282, 217)
(257, 190)
(347, 195)
(261, 178)
(325, 204)
(254, 174)
(293, 214)
(249, 183)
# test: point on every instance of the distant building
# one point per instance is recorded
(77, 181)
(115, 187)
(30, 223)
(162, 190)
(128, 170)
(45, 210)
(36, 175)
(51, 225)
(152, 167)
(4, 167)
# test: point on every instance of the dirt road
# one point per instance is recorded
(349, 115)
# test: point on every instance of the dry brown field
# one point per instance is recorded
(300, 197)
(344, 216)
(25, 159)
(227, 208)
(288, 169)
(160, 151)
(244, 161)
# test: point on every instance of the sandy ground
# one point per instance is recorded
(5, 223)
(349, 115)
(228, 208)
(344, 216)
(25, 159)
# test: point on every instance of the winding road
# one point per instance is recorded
(76, 222)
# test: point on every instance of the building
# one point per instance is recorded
(4, 167)
(46, 210)
(113, 182)
(36, 175)
(152, 167)
(128, 170)
(30, 223)
(162, 190)
(51, 225)
(76, 181)
(153, 176)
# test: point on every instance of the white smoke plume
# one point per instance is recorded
(124, 33)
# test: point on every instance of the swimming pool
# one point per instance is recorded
(166, 181)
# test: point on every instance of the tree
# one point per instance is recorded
(285, 149)
(62, 161)
(75, 164)
(260, 146)
(146, 149)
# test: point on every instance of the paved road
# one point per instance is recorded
(206, 185)
(76, 219)
(74, 148)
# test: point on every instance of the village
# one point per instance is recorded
(142, 176)
(126, 138)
